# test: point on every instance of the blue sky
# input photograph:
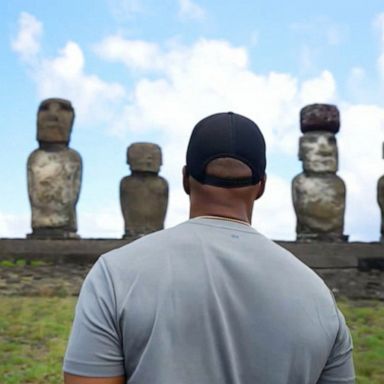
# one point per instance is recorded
(144, 70)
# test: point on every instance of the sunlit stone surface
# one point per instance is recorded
(318, 194)
(54, 173)
(143, 194)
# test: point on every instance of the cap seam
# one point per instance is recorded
(232, 133)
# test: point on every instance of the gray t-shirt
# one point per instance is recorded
(208, 302)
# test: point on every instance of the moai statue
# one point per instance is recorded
(54, 173)
(380, 200)
(318, 194)
(143, 194)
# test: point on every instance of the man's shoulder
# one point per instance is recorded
(284, 266)
(148, 246)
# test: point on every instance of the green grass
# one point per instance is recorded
(33, 336)
(34, 332)
(21, 263)
(367, 326)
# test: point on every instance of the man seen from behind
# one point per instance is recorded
(211, 300)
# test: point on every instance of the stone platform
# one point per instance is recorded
(57, 267)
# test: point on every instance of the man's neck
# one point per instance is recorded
(221, 218)
(224, 212)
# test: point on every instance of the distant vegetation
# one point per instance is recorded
(34, 331)
(21, 263)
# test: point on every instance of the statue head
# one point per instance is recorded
(318, 152)
(144, 157)
(320, 117)
(55, 120)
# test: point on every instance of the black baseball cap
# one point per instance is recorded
(226, 135)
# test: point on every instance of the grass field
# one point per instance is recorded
(34, 331)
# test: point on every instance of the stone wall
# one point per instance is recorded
(57, 267)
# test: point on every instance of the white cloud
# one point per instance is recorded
(64, 75)
(176, 85)
(103, 223)
(361, 165)
(135, 54)
(27, 41)
(12, 225)
(178, 208)
(189, 82)
(359, 85)
(69, 64)
(273, 215)
(320, 90)
(190, 10)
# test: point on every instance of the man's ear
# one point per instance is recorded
(261, 187)
(186, 184)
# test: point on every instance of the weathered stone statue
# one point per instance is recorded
(380, 200)
(318, 193)
(143, 194)
(54, 173)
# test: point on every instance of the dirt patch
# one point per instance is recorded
(45, 280)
